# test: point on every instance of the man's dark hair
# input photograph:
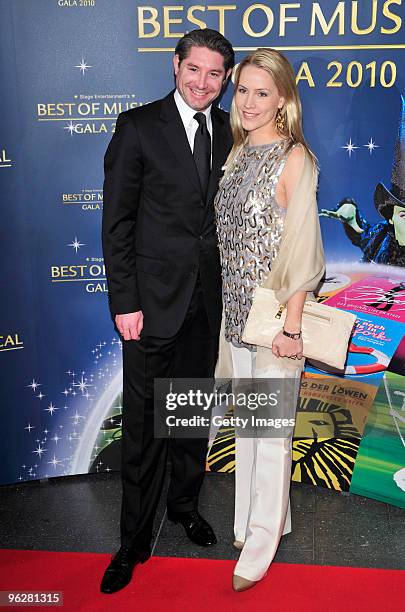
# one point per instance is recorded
(211, 39)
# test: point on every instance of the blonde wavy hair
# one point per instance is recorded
(278, 66)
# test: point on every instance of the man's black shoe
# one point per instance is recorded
(197, 528)
(119, 573)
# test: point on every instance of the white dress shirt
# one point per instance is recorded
(190, 124)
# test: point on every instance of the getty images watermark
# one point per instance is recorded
(193, 408)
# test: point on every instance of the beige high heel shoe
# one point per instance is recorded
(238, 544)
(242, 584)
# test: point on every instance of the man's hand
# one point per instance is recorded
(130, 325)
(346, 213)
(282, 346)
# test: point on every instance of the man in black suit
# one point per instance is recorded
(162, 169)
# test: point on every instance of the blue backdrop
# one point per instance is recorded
(68, 68)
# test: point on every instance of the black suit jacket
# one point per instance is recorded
(158, 232)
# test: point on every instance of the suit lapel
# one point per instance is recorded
(175, 134)
(220, 149)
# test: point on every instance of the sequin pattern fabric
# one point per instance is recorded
(249, 227)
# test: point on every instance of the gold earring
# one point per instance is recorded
(280, 121)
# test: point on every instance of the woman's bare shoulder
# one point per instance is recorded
(295, 157)
(293, 167)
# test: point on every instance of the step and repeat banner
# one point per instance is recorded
(68, 68)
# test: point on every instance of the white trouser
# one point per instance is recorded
(262, 482)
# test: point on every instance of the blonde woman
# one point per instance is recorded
(268, 228)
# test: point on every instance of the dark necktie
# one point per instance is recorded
(202, 152)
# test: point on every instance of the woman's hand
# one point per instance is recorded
(282, 346)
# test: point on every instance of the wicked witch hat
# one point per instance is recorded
(384, 199)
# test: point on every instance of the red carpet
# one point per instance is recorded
(166, 584)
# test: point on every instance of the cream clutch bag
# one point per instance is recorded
(326, 330)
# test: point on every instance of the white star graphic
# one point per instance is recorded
(39, 450)
(29, 427)
(76, 418)
(40, 395)
(65, 392)
(76, 244)
(51, 409)
(54, 461)
(82, 384)
(70, 127)
(56, 438)
(33, 385)
(371, 146)
(350, 147)
(83, 66)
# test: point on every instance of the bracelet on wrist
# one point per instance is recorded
(295, 336)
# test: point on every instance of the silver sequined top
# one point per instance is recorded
(249, 227)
